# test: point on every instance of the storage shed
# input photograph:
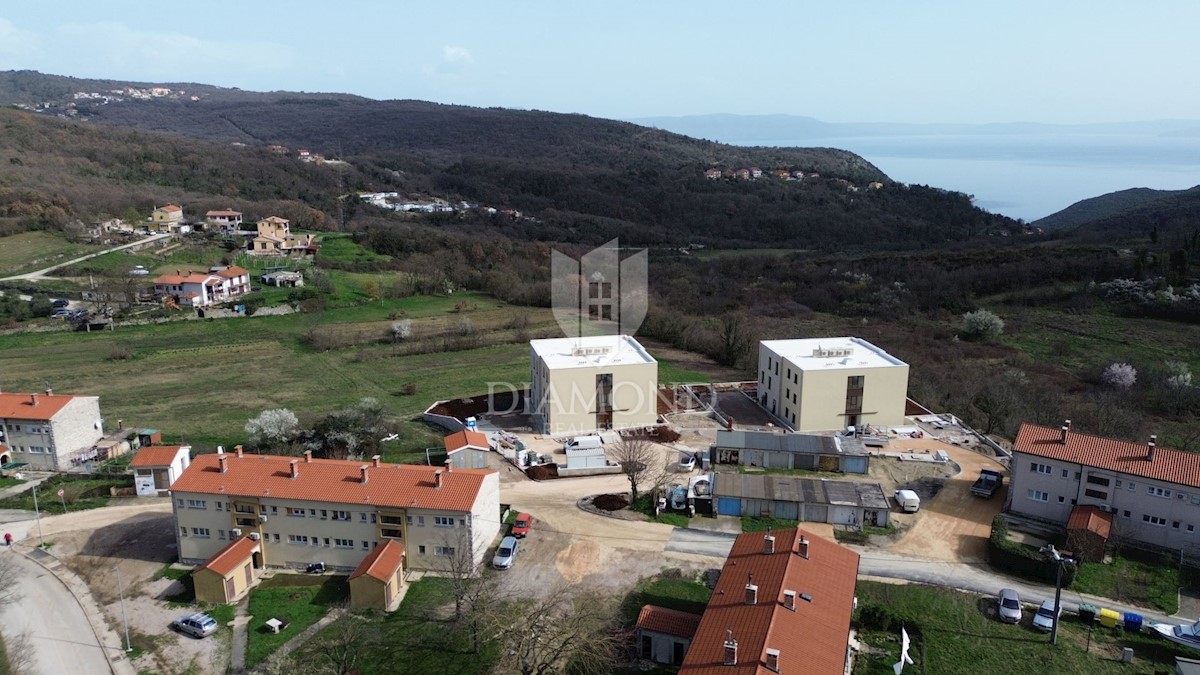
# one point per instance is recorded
(378, 581)
(228, 575)
(801, 499)
(790, 451)
(1088, 529)
(467, 449)
(664, 635)
(156, 467)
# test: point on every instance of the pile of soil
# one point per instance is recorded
(542, 471)
(658, 434)
(610, 502)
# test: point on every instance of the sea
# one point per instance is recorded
(1027, 177)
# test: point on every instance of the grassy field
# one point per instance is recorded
(952, 633)
(1141, 579)
(302, 600)
(29, 251)
(79, 495)
(668, 590)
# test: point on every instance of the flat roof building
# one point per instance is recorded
(580, 385)
(825, 384)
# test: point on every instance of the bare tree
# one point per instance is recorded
(338, 649)
(19, 652)
(634, 454)
(540, 635)
(10, 582)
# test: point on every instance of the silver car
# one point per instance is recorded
(1044, 619)
(506, 554)
(197, 625)
(1009, 606)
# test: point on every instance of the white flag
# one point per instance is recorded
(904, 657)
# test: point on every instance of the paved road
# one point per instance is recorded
(58, 630)
(41, 274)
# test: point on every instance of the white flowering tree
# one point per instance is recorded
(273, 428)
(1119, 375)
(981, 325)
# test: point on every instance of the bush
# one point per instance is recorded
(981, 325)
(120, 353)
(1021, 560)
(409, 388)
(1119, 375)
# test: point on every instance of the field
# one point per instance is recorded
(29, 251)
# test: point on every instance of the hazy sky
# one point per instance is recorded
(915, 61)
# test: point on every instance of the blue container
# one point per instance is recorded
(1133, 622)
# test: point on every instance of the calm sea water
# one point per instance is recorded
(1028, 176)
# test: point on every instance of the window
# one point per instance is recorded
(1175, 524)
(443, 521)
(324, 514)
(219, 505)
(276, 536)
(201, 532)
(408, 519)
(1154, 520)
(421, 550)
(1158, 492)
(180, 503)
(362, 517)
(183, 531)
(297, 539)
(1064, 475)
(1195, 500)
(197, 504)
(1095, 494)
(1126, 514)
(341, 515)
(1118, 485)
(1191, 528)
(220, 534)
(1039, 468)
(420, 521)
(462, 522)
(295, 513)
(1131, 485)
(343, 543)
(1098, 480)
(1039, 496)
(444, 550)
(1061, 500)
(366, 546)
(312, 513)
(326, 542)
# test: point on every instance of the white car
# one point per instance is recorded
(1044, 619)
(197, 625)
(506, 554)
(687, 463)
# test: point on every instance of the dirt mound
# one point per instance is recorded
(542, 471)
(610, 502)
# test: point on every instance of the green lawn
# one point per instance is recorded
(668, 590)
(669, 373)
(79, 495)
(750, 524)
(29, 251)
(951, 634)
(302, 600)
(1141, 579)
(340, 248)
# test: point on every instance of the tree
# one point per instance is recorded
(372, 289)
(402, 330)
(10, 582)
(541, 635)
(351, 433)
(1119, 375)
(634, 454)
(981, 325)
(735, 339)
(272, 428)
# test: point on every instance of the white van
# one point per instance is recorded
(908, 501)
(582, 443)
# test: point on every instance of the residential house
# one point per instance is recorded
(378, 581)
(306, 510)
(742, 174)
(824, 384)
(202, 289)
(782, 604)
(755, 172)
(275, 238)
(1152, 493)
(663, 635)
(46, 430)
(875, 185)
(579, 385)
(168, 218)
(230, 573)
(712, 174)
(790, 451)
(157, 467)
(278, 149)
(283, 278)
(225, 219)
(839, 502)
(467, 449)
(783, 174)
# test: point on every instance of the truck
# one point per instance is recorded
(987, 484)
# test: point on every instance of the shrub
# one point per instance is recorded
(1021, 560)
(119, 353)
(981, 325)
(1119, 375)
(409, 388)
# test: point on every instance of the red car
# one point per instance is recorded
(521, 525)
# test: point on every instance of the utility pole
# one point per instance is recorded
(124, 618)
(38, 512)
(1054, 555)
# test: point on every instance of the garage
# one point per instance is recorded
(729, 506)
(801, 499)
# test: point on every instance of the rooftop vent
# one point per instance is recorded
(1066, 431)
(1150, 448)
(802, 547)
(768, 545)
(751, 594)
(789, 599)
(730, 649)
(773, 660)
(295, 464)
(375, 460)
(308, 456)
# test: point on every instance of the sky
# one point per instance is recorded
(979, 61)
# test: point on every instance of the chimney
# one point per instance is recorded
(238, 449)
(120, 425)
(49, 391)
(308, 456)
(789, 599)
(1066, 431)
(223, 462)
(751, 590)
(449, 465)
(295, 464)
(768, 545)
(1150, 447)
(374, 460)
(220, 450)
(773, 660)
(362, 470)
(730, 649)
(33, 399)
(802, 547)
(437, 479)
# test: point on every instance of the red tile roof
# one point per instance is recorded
(170, 207)
(1172, 466)
(668, 621)
(381, 563)
(190, 278)
(231, 557)
(1090, 518)
(460, 440)
(156, 455)
(333, 480)
(222, 213)
(24, 407)
(232, 272)
(811, 640)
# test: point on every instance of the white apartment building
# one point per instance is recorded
(580, 385)
(43, 430)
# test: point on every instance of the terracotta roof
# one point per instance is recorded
(466, 438)
(190, 278)
(811, 640)
(231, 557)
(222, 213)
(1172, 466)
(668, 621)
(232, 272)
(1090, 518)
(156, 455)
(333, 480)
(381, 563)
(170, 208)
(22, 406)
(274, 219)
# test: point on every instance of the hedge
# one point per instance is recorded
(1008, 556)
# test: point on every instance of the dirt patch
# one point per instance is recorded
(610, 502)
(500, 403)
(578, 560)
(542, 471)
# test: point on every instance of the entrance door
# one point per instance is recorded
(230, 590)
(249, 575)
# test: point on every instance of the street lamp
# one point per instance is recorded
(125, 619)
(1049, 551)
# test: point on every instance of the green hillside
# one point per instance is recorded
(1099, 208)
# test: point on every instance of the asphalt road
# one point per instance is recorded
(48, 614)
(41, 274)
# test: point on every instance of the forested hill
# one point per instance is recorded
(1102, 207)
(1171, 215)
(579, 178)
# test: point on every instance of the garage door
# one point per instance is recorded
(787, 510)
(816, 513)
(854, 464)
(844, 515)
(729, 506)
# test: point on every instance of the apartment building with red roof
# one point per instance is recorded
(1152, 493)
(781, 605)
(45, 430)
(307, 510)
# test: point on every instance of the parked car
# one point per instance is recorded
(1009, 606)
(1044, 619)
(687, 463)
(506, 554)
(521, 525)
(59, 303)
(62, 313)
(197, 625)
(139, 271)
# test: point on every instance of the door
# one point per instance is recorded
(677, 653)
(249, 575)
(729, 506)
(230, 590)
(787, 510)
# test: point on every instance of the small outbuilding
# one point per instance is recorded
(1088, 529)
(283, 279)
(790, 451)
(378, 581)
(467, 449)
(229, 575)
(804, 499)
(664, 635)
(156, 467)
